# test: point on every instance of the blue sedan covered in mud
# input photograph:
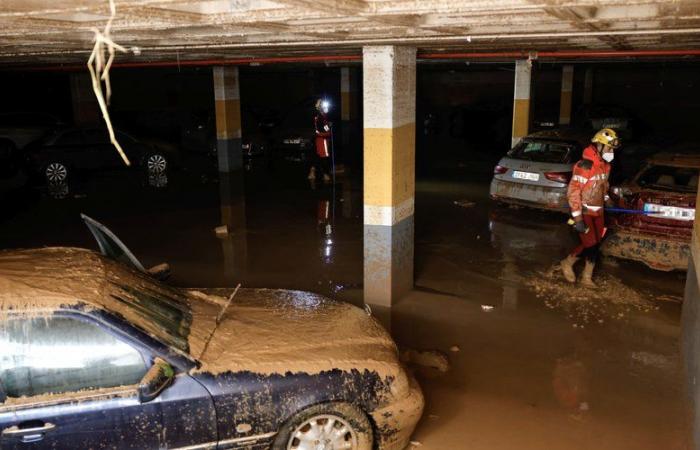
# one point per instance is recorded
(98, 354)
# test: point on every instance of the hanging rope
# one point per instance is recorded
(98, 64)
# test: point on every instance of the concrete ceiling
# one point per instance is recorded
(59, 31)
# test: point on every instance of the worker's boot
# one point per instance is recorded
(312, 173)
(587, 275)
(567, 268)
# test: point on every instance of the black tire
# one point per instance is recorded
(360, 428)
(56, 172)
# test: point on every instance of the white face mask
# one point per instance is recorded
(608, 157)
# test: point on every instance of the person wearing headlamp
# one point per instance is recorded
(321, 165)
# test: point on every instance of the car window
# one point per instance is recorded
(667, 178)
(543, 151)
(70, 138)
(55, 354)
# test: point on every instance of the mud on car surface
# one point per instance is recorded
(99, 354)
(536, 172)
(663, 194)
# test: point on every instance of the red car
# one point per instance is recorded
(665, 190)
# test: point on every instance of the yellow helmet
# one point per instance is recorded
(607, 136)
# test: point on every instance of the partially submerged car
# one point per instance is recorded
(60, 154)
(536, 172)
(664, 194)
(99, 354)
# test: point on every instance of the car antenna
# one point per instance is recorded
(218, 320)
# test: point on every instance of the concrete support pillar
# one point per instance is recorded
(567, 86)
(228, 118)
(86, 110)
(588, 87)
(521, 100)
(389, 75)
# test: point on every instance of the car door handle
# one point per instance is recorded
(28, 435)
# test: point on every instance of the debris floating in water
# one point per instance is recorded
(487, 308)
(464, 203)
(454, 348)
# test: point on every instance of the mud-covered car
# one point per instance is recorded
(663, 194)
(96, 353)
(536, 172)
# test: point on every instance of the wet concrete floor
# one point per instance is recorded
(534, 364)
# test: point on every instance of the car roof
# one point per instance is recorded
(684, 160)
(568, 135)
(55, 278)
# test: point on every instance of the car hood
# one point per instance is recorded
(279, 331)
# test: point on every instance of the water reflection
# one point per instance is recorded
(234, 241)
(59, 190)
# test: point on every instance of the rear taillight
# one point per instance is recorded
(559, 177)
(499, 170)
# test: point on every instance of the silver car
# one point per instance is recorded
(536, 172)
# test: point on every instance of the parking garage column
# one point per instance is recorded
(228, 118)
(389, 96)
(588, 86)
(521, 100)
(567, 85)
(345, 108)
(86, 111)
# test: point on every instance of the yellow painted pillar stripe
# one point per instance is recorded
(567, 85)
(345, 106)
(521, 117)
(389, 169)
(228, 119)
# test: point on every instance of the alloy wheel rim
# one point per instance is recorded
(156, 164)
(323, 432)
(56, 172)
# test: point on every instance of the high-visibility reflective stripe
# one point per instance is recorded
(580, 179)
(575, 213)
(592, 208)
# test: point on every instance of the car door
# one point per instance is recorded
(99, 152)
(68, 148)
(69, 383)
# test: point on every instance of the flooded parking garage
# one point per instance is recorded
(531, 360)
(310, 183)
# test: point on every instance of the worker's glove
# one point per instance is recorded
(580, 227)
(609, 203)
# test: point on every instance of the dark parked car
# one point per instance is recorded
(58, 155)
(665, 189)
(17, 130)
(99, 354)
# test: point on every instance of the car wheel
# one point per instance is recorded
(156, 163)
(331, 426)
(56, 172)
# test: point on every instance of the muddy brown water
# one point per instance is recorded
(536, 365)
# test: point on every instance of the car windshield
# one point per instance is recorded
(543, 151)
(668, 178)
(159, 310)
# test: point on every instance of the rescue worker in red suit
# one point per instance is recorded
(588, 195)
(322, 127)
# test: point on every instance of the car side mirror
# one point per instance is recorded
(161, 272)
(158, 377)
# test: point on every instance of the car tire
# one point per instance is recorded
(56, 172)
(331, 419)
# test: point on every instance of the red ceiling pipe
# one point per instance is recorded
(358, 58)
(563, 54)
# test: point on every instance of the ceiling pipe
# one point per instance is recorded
(589, 55)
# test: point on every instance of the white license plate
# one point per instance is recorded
(670, 212)
(526, 175)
